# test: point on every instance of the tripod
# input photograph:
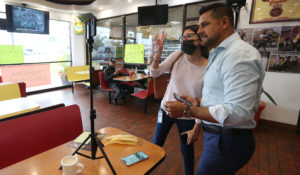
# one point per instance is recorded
(95, 142)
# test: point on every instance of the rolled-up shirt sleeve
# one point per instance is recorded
(197, 120)
(218, 112)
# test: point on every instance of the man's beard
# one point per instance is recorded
(210, 42)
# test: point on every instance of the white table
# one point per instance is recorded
(17, 106)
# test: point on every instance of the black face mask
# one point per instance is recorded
(188, 47)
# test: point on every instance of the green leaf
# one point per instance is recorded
(269, 96)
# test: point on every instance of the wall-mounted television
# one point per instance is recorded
(153, 15)
(26, 20)
(2, 24)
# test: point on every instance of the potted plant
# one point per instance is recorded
(60, 69)
(262, 105)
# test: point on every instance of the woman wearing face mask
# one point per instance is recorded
(186, 79)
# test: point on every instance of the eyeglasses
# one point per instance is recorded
(189, 36)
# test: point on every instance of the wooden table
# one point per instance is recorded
(17, 106)
(127, 78)
(47, 163)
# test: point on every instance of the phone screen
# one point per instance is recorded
(134, 158)
(179, 98)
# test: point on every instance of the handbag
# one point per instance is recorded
(161, 82)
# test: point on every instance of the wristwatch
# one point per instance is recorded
(187, 112)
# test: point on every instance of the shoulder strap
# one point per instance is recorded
(181, 53)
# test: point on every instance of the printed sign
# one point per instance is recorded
(32, 75)
(11, 54)
(134, 53)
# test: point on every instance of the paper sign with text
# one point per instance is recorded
(11, 54)
(134, 53)
(32, 75)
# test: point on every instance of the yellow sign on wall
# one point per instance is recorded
(11, 54)
(78, 26)
(134, 53)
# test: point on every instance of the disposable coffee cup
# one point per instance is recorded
(71, 166)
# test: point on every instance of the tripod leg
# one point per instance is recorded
(93, 147)
(78, 148)
(100, 145)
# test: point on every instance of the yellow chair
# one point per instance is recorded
(9, 91)
(77, 74)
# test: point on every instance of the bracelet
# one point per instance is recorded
(155, 61)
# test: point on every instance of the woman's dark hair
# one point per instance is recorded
(194, 28)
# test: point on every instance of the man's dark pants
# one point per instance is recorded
(224, 154)
(120, 88)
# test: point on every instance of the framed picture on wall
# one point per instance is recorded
(266, 11)
(287, 62)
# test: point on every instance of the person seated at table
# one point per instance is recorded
(121, 89)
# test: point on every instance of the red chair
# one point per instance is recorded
(145, 94)
(104, 86)
(132, 84)
(22, 86)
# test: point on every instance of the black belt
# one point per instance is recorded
(230, 131)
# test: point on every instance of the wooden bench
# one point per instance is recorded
(29, 135)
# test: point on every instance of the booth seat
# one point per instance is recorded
(32, 134)
(12, 90)
(33, 112)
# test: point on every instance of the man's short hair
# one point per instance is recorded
(218, 11)
(112, 60)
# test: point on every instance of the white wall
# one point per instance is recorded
(284, 87)
(78, 46)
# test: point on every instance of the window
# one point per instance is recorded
(44, 57)
(108, 42)
(147, 34)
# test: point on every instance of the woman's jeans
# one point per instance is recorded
(161, 132)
